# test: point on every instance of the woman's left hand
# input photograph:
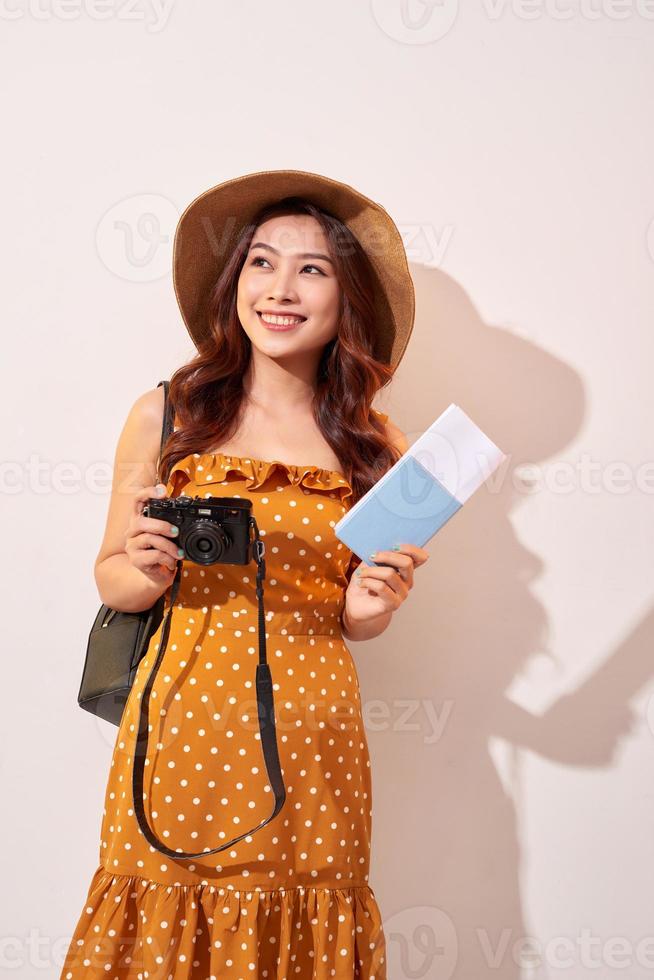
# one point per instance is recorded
(377, 589)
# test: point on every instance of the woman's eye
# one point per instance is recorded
(260, 258)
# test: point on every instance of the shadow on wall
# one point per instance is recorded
(445, 831)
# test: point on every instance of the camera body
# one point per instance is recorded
(211, 529)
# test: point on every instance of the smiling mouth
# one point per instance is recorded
(277, 322)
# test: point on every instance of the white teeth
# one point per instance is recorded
(282, 321)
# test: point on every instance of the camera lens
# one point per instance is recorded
(205, 542)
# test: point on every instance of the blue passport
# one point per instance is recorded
(423, 489)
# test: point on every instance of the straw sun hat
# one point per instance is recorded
(209, 228)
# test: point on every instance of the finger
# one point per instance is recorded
(382, 589)
(156, 525)
(149, 558)
(157, 490)
(393, 573)
(393, 559)
(417, 555)
(149, 542)
(145, 493)
(390, 577)
(141, 525)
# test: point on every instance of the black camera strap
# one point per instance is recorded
(265, 708)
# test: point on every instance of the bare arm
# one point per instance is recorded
(120, 584)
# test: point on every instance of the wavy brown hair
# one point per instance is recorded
(207, 393)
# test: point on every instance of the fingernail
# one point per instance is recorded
(180, 552)
(372, 554)
(358, 571)
(174, 529)
(160, 489)
(396, 547)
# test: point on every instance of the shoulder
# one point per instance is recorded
(394, 433)
(147, 411)
(151, 402)
(141, 433)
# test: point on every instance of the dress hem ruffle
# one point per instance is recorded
(134, 927)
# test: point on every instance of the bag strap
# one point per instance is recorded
(265, 708)
(167, 421)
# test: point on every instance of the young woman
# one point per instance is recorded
(296, 291)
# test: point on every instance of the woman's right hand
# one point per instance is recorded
(149, 542)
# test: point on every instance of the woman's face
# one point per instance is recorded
(288, 271)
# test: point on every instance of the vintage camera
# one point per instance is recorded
(211, 529)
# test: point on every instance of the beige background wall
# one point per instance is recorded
(508, 705)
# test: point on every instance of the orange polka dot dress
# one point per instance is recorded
(291, 900)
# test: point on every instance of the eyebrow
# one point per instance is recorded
(304, 255)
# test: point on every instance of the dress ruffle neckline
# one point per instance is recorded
(203, 931)
(209, 468)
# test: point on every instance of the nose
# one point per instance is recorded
(282, 287)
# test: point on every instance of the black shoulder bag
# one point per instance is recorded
(118, 640)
